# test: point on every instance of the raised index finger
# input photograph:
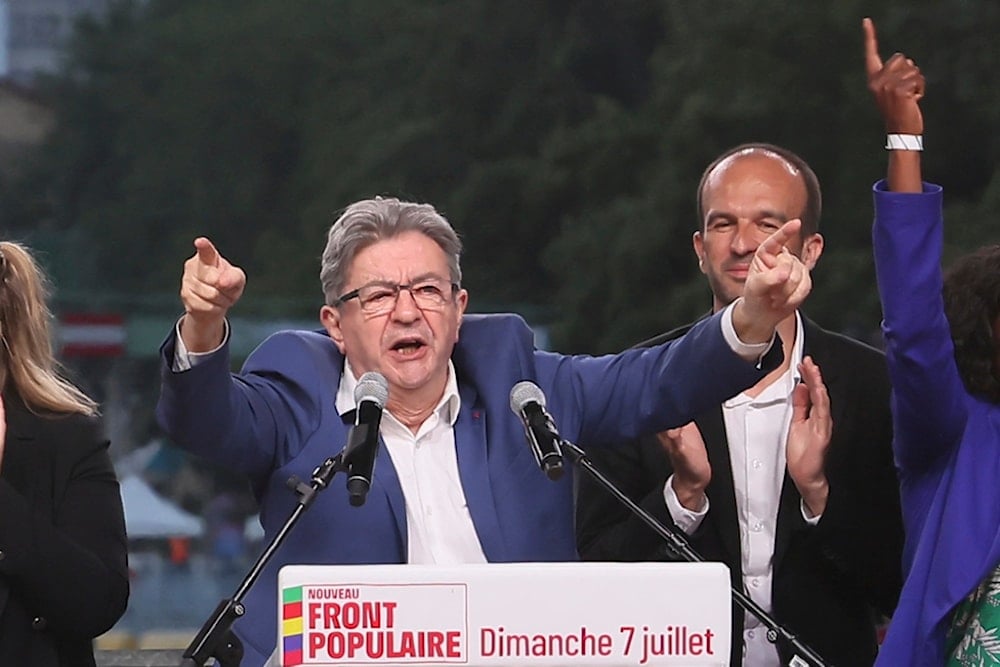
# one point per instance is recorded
(778, 240)
(207, 254)
(873, 61)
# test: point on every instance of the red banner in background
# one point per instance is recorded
(91, 335)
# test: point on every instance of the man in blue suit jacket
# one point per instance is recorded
(455, 482)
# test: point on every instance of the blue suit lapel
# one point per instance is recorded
(387, 481)
(473, 468)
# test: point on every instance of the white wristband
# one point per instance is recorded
(904, 142)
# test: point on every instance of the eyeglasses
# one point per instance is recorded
(379, 298)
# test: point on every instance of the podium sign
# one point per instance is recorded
(541, 614)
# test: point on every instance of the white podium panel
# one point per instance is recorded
(524, 614)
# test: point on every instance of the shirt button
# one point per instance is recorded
(39, 623)
(757, 526)
(750, 634)
(756, 464)
(755, 582)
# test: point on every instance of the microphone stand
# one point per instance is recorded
(216, 639)
(803, 655)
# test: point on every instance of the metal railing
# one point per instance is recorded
(139, 658)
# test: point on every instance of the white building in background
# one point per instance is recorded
(37, 31)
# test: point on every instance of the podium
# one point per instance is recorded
(524, 614)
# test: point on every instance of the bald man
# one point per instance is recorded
(790, 483)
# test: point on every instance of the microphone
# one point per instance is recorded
(362, 443)
(528, 402)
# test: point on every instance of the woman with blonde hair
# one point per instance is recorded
(63, 567)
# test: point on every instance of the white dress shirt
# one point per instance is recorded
(757, 433)
(439, 528)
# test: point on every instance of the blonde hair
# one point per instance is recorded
(27, 363)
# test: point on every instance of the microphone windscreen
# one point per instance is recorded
(372, 386)
(525, 392)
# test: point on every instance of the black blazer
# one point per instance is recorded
(830, 580)
(63, 569)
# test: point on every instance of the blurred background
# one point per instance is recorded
(564, 139)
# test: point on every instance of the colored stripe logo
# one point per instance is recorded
(291, 626)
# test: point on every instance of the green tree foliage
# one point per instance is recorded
(564, 139)
(787, 73)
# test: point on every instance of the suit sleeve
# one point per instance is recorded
(611, 398)
(253, 421)
(860, 535)
(927, 391)
(69, 565)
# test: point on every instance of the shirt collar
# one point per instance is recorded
(447, 408)
(782, 387)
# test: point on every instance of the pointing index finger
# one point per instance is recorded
(776, 241)
(207, 254)
(873, 62)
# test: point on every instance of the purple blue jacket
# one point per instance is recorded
(946, 442)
